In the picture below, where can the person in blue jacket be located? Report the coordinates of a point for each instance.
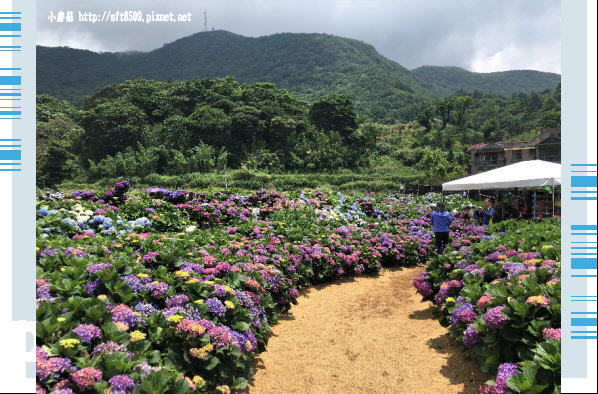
(487, 213)
(441, 220)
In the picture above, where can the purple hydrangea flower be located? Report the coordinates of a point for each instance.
(157, 289)
(92, 269)
(495, 319)
(551, 333)
(134, 282)
(216, 307)
(42, 289)
(219, 290)
(52, 366)
(40, 354)
(191, 267)
(463, 313)
(505, 371)
(144, 368)
(87, 332)
(121, 384)
(442, 295)
(144, 308)
(48, 252)
(92, 286)
(471, 337)
(86, 377)
(109, 347)
(192, 314)
(177, 300)
(150, 256)
(123, 314)
(425, 289)
(220, 336)
(172, 311)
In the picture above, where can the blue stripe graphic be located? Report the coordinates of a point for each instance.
(10, 80)
(583, 322)
(583, 181)
(10, 154)
(10, 27)
(583, 227)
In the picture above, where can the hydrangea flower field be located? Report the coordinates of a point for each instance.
(177, 294)
(500, 295)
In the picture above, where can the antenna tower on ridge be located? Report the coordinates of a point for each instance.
(205, 21)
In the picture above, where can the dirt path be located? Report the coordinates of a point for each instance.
(363, 335)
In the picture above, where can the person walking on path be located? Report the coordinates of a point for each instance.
(441, 220)
(487, 213)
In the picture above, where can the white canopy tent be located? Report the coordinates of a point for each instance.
(525, 174)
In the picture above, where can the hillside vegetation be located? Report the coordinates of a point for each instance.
(308, 65)
(448, 80)
(144, 128)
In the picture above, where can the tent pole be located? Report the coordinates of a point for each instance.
(553, 192)
(535, 203)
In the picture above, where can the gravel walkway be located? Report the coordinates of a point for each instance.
(364, 335)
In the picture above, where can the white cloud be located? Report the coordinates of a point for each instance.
(478, 35)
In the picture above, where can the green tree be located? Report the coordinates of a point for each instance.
(178, 132)
(334, 113)
(58, 163)
(490, 126)
(213, 125)
(443, 109)
(111, 127)
(425, 118)
(435, 165)
(462, 105)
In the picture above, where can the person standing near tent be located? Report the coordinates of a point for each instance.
(466, 215)
(498, 209)
(441, 220)
(486, 214)
(521, 209)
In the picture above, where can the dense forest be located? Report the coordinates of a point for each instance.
(142, 127)
(309, 66)
(449, 80)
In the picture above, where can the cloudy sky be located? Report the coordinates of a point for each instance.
(481, 36)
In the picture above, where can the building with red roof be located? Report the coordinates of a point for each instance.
(489, 155)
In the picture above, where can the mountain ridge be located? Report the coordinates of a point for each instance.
(449, 79)
(308, 65)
